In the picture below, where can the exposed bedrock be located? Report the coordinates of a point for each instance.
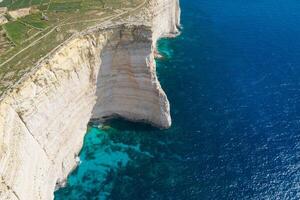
(102, 72)
(127, 85)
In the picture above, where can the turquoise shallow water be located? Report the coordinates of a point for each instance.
(233, 81)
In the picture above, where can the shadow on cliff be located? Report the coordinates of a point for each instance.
(125, 125)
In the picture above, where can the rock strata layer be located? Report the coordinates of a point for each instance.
(100, 73)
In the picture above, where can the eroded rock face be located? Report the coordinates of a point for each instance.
(42, 124)
(127, 85)
(99, 73)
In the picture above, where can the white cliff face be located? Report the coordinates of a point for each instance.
(126, 84)
(165, 18)
(99, 74)
(42, 124)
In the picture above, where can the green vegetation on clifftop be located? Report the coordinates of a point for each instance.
(25, 40)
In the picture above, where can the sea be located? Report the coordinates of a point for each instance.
(233, 81)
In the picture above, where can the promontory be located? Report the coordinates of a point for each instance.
(64, 63)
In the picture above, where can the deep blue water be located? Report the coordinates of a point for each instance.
(233, 81)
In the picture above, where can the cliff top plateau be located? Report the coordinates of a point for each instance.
(30, 30)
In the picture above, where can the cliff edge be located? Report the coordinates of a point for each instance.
(102, 72)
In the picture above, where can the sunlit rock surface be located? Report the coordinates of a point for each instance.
(101, 73)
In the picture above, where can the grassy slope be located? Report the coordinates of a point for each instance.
(65, 14)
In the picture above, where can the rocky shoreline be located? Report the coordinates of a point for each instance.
(97, 74)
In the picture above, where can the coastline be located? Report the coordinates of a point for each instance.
(72, 73)
(156, 55)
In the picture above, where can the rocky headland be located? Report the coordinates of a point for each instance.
(105, 71)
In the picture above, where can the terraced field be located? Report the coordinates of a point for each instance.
(25, 40)
(5, 43)
(15, 4)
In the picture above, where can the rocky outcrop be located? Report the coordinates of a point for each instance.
(16, 14)
(127, 85)
(98, 74)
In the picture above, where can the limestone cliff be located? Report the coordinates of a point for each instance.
(102, 72)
